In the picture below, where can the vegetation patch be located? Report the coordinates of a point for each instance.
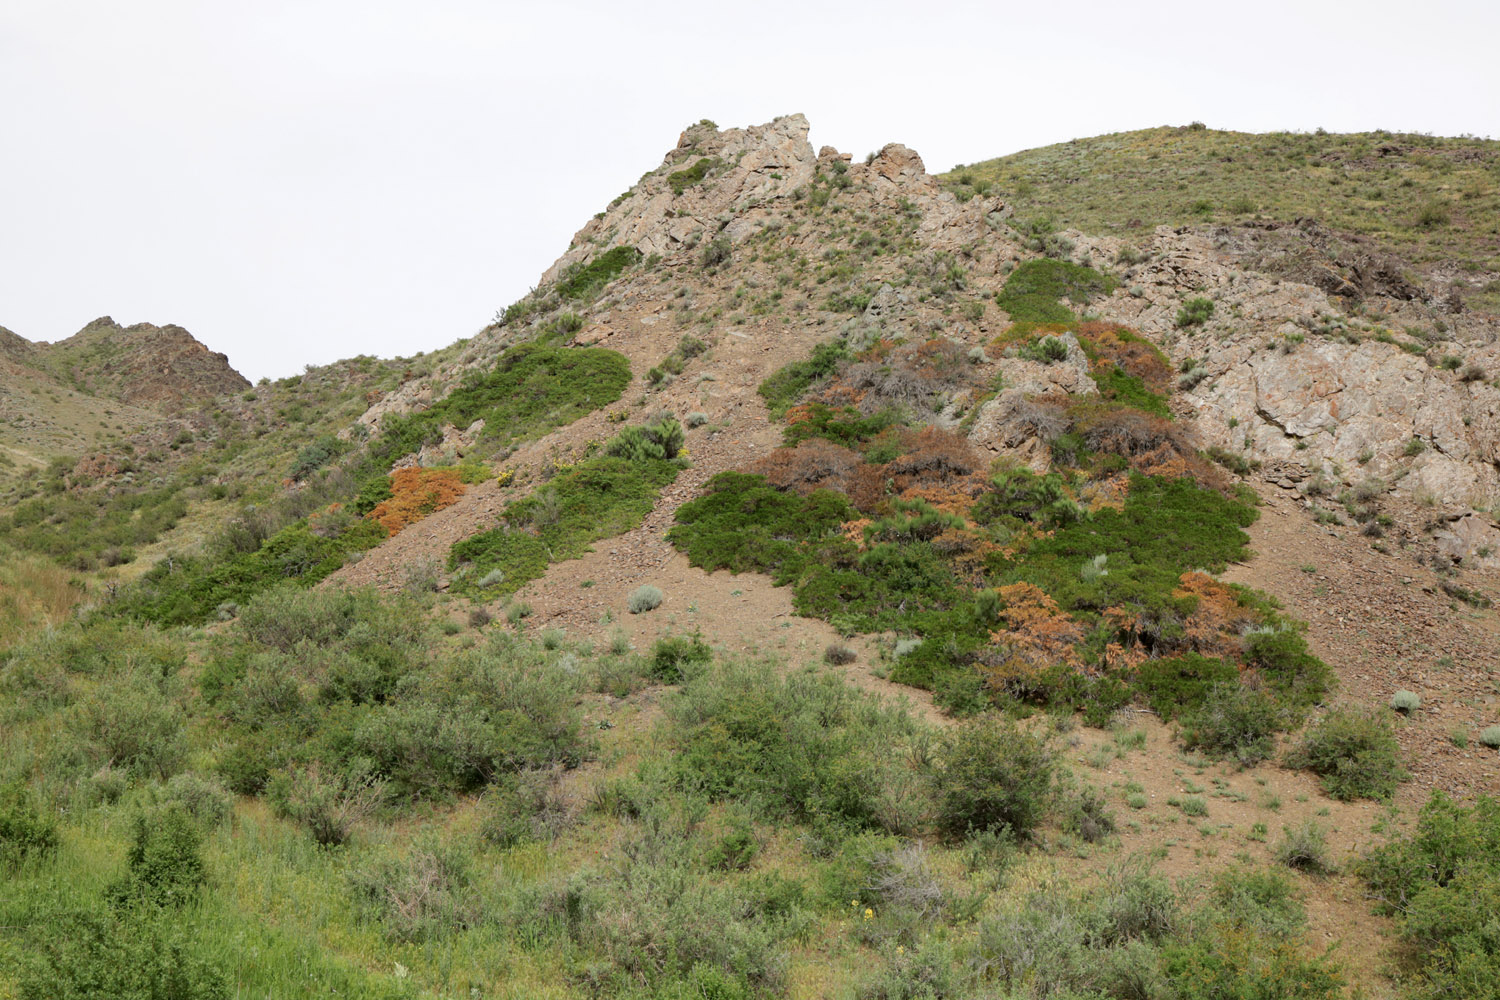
(598, 498)
(586, 280)
(1033, 290)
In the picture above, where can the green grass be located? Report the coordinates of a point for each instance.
(1391, 186)
(585, 281)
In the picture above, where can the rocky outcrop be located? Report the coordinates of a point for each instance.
(736, 183)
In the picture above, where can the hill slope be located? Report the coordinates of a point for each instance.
(827, 583)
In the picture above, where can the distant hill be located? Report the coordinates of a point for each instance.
(104, 383)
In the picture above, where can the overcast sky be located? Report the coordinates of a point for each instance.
(297, 182)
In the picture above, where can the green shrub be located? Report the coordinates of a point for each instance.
(681, 180)
(1442, 884)
(1259, 899)
(426, 894)
(164, 866)
(329, 805)
(1179, 684)
(717, 251)
(659, 922)
(1354, 752)
(522, 807)
(203, 798)
(994, 775)
(1032, 291)
(132, 724)
(1299, 678)
(1490, 736)
(108, 956)
(26, 834)
(644, 598)
(1304, 848)
(808, 747)
(839, 654)
(1227, 964)
(788, 384)
(1047, 350)
(1233, 721)
(598, 498)
(657, 441)
(506, 707)
(587, 280)
(1405, 701)
(672, 657)
(1195, 312)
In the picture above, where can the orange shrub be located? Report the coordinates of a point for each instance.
(1037, 636)
(416, 493)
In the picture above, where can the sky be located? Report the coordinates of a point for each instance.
(298, 182)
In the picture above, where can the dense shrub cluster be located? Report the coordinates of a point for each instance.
(1033, 290)
(1441, 884)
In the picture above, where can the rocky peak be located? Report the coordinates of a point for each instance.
(159, 367)
(735, 182)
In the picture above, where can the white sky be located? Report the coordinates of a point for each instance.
(297, 182)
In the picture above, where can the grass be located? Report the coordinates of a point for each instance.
(1396, 187)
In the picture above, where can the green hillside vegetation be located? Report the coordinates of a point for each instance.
(304, 536)
(327, 799)
(598, 498)
(1426, 198)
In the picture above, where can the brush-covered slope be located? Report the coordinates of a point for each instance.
(825, 584)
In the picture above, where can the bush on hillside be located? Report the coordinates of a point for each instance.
(993, 775)
(1354, 752)
(1233, 721)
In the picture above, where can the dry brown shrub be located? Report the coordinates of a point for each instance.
(1035, 418)
(933, 455)
(1037, 636)
(815, 463)
(1117, 430)
(868, 487)
(968, 554)
(890, 385)
(953, 497)
(1133, 356)
(1215, 626)
(839, 395)
(942, 359)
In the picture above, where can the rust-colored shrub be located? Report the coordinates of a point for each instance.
(1132, 352)
(416, 493)
(1036, 637)
(1215, 626)
(941, 359)
(868, 487)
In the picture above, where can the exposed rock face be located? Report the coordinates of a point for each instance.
(1285, 386)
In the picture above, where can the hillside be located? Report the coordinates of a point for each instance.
(831, 581)
(102, 387)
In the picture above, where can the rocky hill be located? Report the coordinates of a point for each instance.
(832, 580)
(160, 367)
